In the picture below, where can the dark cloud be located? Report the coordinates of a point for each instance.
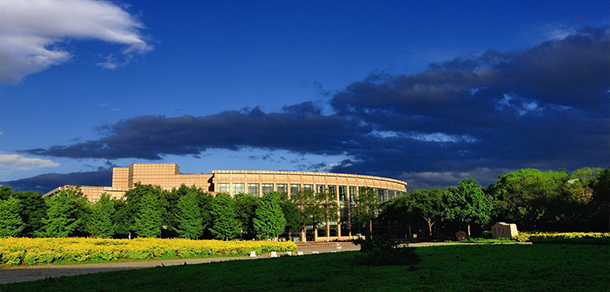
(544, 107)
(47, 182)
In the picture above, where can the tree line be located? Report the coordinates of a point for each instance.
(150, 211)
(534, 200)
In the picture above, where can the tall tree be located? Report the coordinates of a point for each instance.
(292, 213)
(305, 202)
(135, 204)
(11, 223)
(149, 218)
(189, 219)
(269, 221)
(226, 224)
(467, 203)
(100, 222)
(33, 212)
(366, 208)
(528, 197)
(327, 206)
(245, 207)
(65, 213)
(429, 205)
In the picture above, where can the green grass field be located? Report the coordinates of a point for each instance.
(544, 267)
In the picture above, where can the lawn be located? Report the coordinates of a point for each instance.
(544, 267)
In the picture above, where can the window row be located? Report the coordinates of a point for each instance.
(344, 193)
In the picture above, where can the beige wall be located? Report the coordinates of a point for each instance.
(168, 176)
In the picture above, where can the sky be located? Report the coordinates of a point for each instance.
(428, 92)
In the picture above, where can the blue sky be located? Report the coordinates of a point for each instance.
(428, 92)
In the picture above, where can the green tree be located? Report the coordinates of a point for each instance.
(528, 197)
(305, 202)
(149, 218)
(65, 213)
(326, 203)
(400, 210)
(33, 212)
(366, 208)
(269, 221)
(226, 224)
(467, 203)
(601, 186)
(100, 222)
(134, 207)
(429, 205)
(291, 213)
(11, 224)
(5, 192)
(189, 219)
(245, 208)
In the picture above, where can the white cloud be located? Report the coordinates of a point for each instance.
(32, 30)
(16, 161)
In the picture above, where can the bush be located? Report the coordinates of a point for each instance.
(460, 235)
(384, 252)
(31, 251)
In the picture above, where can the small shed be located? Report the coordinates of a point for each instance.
(502, 229)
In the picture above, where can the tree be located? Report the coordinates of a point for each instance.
(400, 210)
(366, 208)
(226, 225)
(148, 220)
(135, 206)
(601, 186)
(292, 213)
(269, 221)
(429, 204)
(100, 222)
(467, 203)
(245, 208)
(122, 217)
(528, 197)
(33, 212)
(189, 219)
(305, 202)
(65, 213)
(11, 224)
(327, 209)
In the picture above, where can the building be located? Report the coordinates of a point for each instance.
(168, 176)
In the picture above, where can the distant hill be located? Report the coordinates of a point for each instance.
(46, 182)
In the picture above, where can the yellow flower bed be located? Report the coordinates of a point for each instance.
(31, 251)
(526, 236)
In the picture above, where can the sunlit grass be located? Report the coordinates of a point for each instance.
(546, 267)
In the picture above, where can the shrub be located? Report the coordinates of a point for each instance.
(384, 252)
(460, 235)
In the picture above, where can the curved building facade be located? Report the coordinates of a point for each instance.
(168, 176)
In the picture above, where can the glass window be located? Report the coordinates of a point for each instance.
(342, 193)
(294, 188)
(238, 188)
(308, 187)
(352, 194)
(267, 188)
(320, 188)
(333, 190)
(223, 188)
(282, 188)
(253, 189)
(382, 195)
